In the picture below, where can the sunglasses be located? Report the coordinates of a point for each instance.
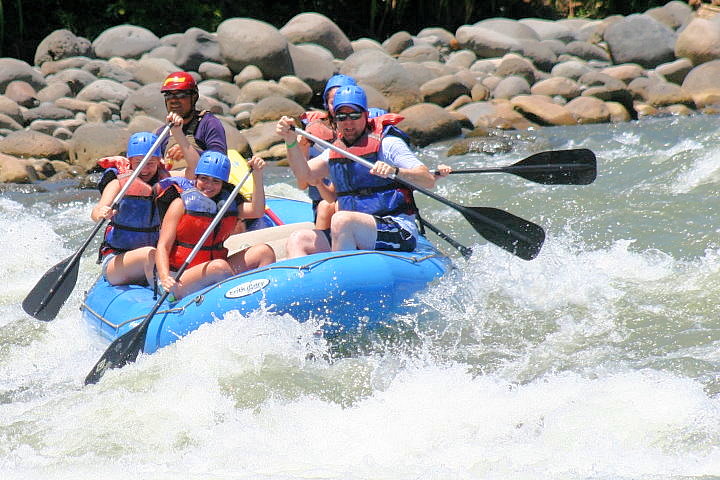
(181, 94)
(341, 117)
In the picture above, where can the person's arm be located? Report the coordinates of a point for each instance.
(256, 208)
(327, 191)
(187, 151)
(307, 172)
(102, 208)
(168, 230)
(395, 157)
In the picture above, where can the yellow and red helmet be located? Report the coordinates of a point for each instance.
(179, 81)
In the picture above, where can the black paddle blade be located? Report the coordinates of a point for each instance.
(514, 234)
(558, 167)
(122, 350)
(45, 300)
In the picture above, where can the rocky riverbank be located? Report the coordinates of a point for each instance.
(82, 99)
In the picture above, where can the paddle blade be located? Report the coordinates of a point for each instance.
(121, 351)
(45, 300)
(558, 167)
(514, 234)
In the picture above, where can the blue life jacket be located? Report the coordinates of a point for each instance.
(356, 188)
(137, 223)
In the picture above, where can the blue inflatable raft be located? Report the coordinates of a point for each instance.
(350, 291)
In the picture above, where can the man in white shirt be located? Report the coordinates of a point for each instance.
(374, 211)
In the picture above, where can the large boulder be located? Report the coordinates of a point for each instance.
(29, 143)
(419, 54)
(126, 41)
(554, 86)
(426, 123)
(509, 27)
(75, 78)
(54, 66)
(10, 108)
(146, 100)
(46, 111)
(256, 90)
(586, 51)
(272, 108)
(226, 92)
(195, 47)
(663, 94)
(58, 45)
(640, 39)
(699, 41)
(96, 140)
(385, 74)
(311, 66)
(12, 69)
(443, 90)
(542, 110)
(486, 43)
(588, 110)
(244, 41)
(550, 30)
(15, 170)
(152, 70)
(110, 71)
(703, 83)
(495, 114)
(317, 28)
(262, 136)
(105, 90)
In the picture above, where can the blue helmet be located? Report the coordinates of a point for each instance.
(338, 80)
(214, 164)
(376, 112)
(353, 96)
(140, 143)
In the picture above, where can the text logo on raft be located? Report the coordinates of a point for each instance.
(247, 288)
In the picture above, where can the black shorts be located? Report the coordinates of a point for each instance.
(390, 236)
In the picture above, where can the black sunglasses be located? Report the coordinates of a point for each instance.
(179, 94)
(341, 117)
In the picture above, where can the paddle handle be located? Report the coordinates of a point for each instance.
(464, 251)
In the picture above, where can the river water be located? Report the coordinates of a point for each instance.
(597, 360)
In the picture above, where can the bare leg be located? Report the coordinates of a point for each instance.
(305, 242)
(325, 211)
(352, 231)
(130, 267)
(254, 257)
(201, 276)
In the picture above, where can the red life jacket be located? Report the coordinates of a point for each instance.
(199, 214)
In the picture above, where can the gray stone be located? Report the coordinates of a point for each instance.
(640, 39)
(126, 41)
(195, 47)
(316, 28)
(12, 70)
(426, 123)
(56, 46)
(245, 41)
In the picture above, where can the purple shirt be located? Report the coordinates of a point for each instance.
(210, 134)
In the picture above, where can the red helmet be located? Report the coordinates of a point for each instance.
(179, 81)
